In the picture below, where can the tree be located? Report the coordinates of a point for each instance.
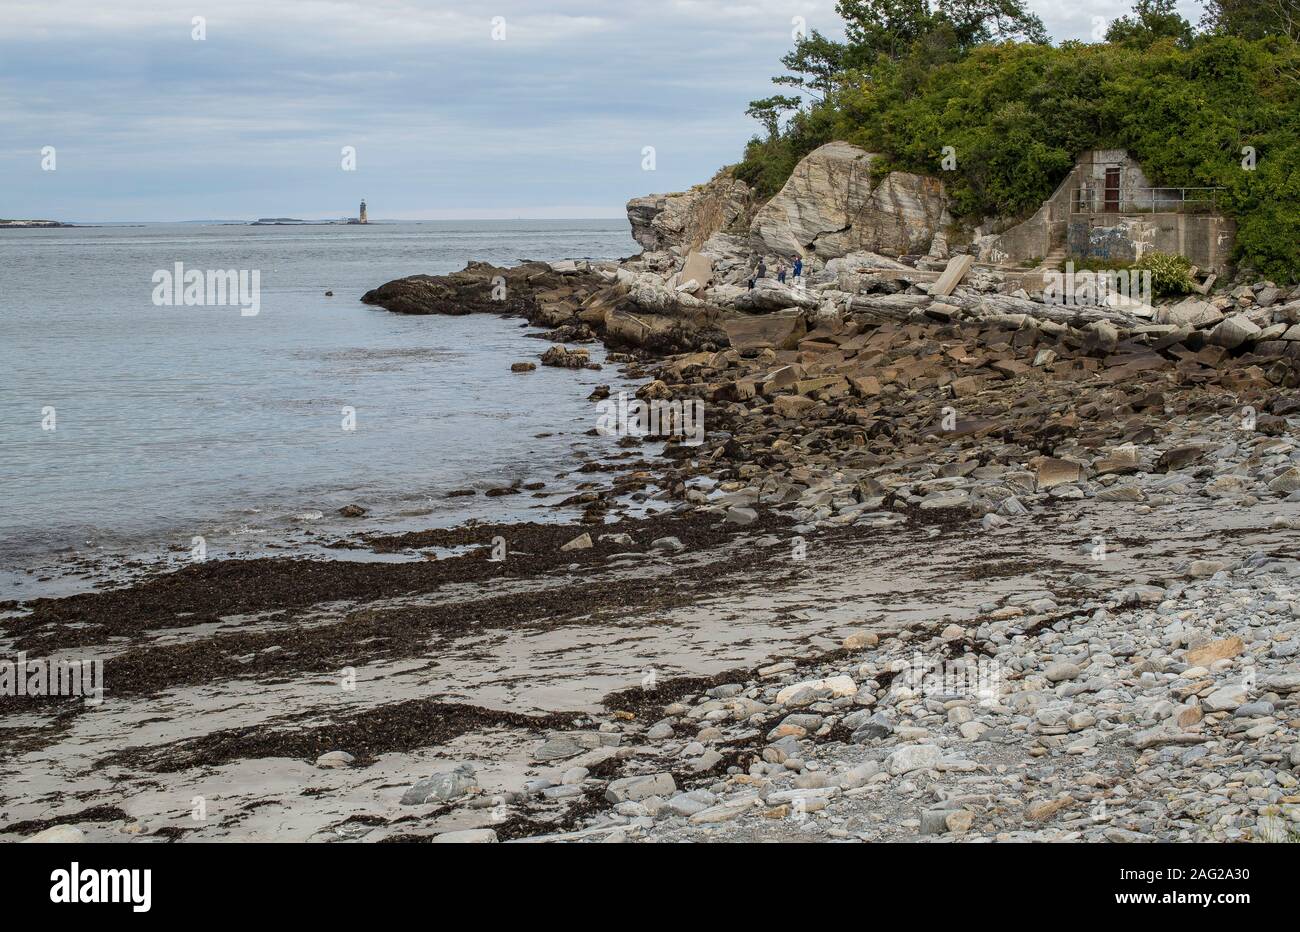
(884, 27)
(1152, 20)
(768, 112)
(979, 21)
(1253, 19)
(896, 28)
(815, 61)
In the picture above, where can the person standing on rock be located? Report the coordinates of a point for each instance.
(798, 266)
(780, 272)
(762, 269)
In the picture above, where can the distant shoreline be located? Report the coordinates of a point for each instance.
(33, 224)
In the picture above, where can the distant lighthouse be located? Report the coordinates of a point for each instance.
(362, 217)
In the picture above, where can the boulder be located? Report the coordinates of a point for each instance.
(637, 788)
(441, 787)
(1120, 460)
(1193, 313)
(1233, 332)
(830, 205)
(1216, 650)
(1179, 458)
(768, 294)
(1287, 482)
(1052, 472)
(697, 269)
(770, 331)
(913, 757)
(838, 686)
(792, 406)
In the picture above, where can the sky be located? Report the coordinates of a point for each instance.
(470, 110)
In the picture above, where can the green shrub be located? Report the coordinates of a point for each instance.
(1170, 275)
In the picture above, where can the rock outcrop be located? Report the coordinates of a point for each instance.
(582, 301)
(832, 206)
(688, 219)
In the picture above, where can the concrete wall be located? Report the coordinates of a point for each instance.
(1206, 239)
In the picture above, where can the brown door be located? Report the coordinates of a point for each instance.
(1112, 191)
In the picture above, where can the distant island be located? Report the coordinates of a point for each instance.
(32, 224)
(292, 221)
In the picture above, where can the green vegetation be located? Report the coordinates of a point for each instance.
(1170, 275)
(1219, 107)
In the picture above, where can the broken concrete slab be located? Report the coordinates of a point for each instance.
(957, 268)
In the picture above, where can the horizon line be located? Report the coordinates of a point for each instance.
(339, 221)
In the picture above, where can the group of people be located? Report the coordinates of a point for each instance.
(760, 271)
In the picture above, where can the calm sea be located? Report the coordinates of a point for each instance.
(176, 422)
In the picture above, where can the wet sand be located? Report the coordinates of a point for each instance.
(225, 681)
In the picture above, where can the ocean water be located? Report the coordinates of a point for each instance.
(171, 422)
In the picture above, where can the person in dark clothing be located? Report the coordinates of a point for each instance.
(798, 266)
(762, 269)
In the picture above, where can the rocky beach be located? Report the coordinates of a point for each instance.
(955, 561)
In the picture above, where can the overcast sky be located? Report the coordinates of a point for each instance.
(447, 122)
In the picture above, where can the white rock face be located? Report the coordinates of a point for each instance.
(687, 219)
(831, 203)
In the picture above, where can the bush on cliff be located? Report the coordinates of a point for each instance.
(1213, 110)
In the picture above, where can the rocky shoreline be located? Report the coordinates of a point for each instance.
(952, 562)
(1162, 709)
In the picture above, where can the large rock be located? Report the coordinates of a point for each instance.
(687, 219)
(1233, 332)
(698, 269)
(441, 787)
(913, 757)
(634, 789)
(1193, 313)
(769, 331)
(831, 206)
(838, 686)
(768, 294)
(1053, 472)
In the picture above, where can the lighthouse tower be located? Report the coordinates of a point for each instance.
(362, 217)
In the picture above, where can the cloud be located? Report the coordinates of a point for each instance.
(150, 124)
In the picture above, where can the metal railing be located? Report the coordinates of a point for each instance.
(1094, 200)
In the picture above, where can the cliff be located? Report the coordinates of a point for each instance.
(831, 206)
